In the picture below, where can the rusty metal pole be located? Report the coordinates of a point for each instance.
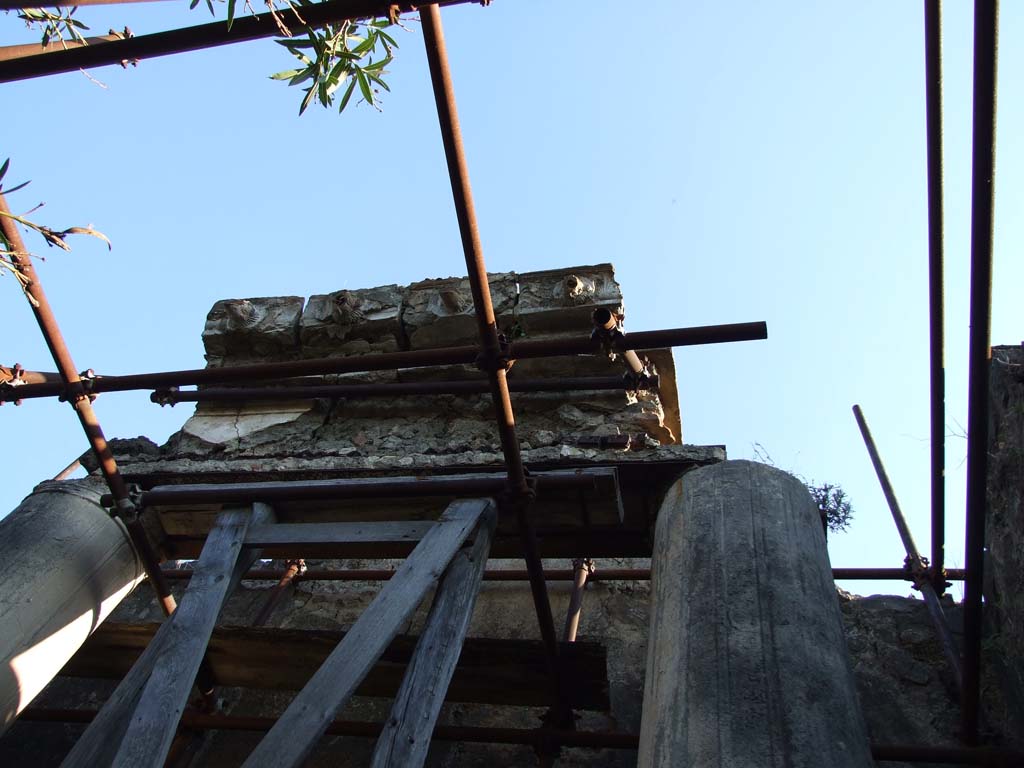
(582, 568)
(388, 361)
(519, 490)
(918, 568)
(937, 365)
(82, 405)
(986, 35)
(293, 569)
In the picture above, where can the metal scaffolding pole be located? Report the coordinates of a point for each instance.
(918, 570)
(986, 18)
(423, 358)
(933, 100)
(82, 405)
(210, 35)
(494, 358)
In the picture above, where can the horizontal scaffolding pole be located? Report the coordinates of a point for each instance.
(424, 358)
(525, 736)
(217, 33)
(402, 389)
(353, 488)
(985, 756)
(601, 574)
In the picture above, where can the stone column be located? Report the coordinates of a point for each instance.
(747, 663)
(66, 565)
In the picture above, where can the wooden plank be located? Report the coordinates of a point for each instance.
(297, 731)
(98, 744)
(325, 534)
(405, 739)
(155, 720)
(601, 504)
(490, 671)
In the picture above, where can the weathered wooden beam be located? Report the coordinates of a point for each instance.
(296, 732)
(598, 503)
(490, 671)
(163, 699)
(321, 535)
(98, 744)
(406, 736)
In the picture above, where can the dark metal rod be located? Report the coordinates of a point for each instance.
(986, 756)
(210, 35)
(986, 19)
(605, 574)
(354, 391)
(527, 736)
(424, 358)
(323, 490)
(933, 99)
(13, 5)
(919, 571)
(82, 405)
(519, 491)
(9, 52)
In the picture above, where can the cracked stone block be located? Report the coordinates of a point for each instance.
(353, 322)
(244, 330)
(218, 425)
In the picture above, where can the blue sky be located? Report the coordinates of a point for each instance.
(736, 161)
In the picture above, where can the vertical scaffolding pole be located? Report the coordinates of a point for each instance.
(986, 15)
(491, 354)
(936, 313)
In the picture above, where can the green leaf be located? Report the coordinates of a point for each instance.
(287, 74)
(15, 189)
(303, 76)
(347, 96)
(378, 81)
(306, 101)
(231, 13)
(4, 167)
(364, 86)
(294, 42)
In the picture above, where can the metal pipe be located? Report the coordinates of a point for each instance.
(937, 367)
(23, 377)
(13, 5)
(986, 20)
(423, 358)
(65, 473)
(581, 569)
(491, 352)
(988, 756)
(985, 756)
(72, 384)
(322, 490)
(290, 576)
(918, 569)
(371, 730)
(210, 35)
(11, 52)
(605, 574)
(402, 389)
